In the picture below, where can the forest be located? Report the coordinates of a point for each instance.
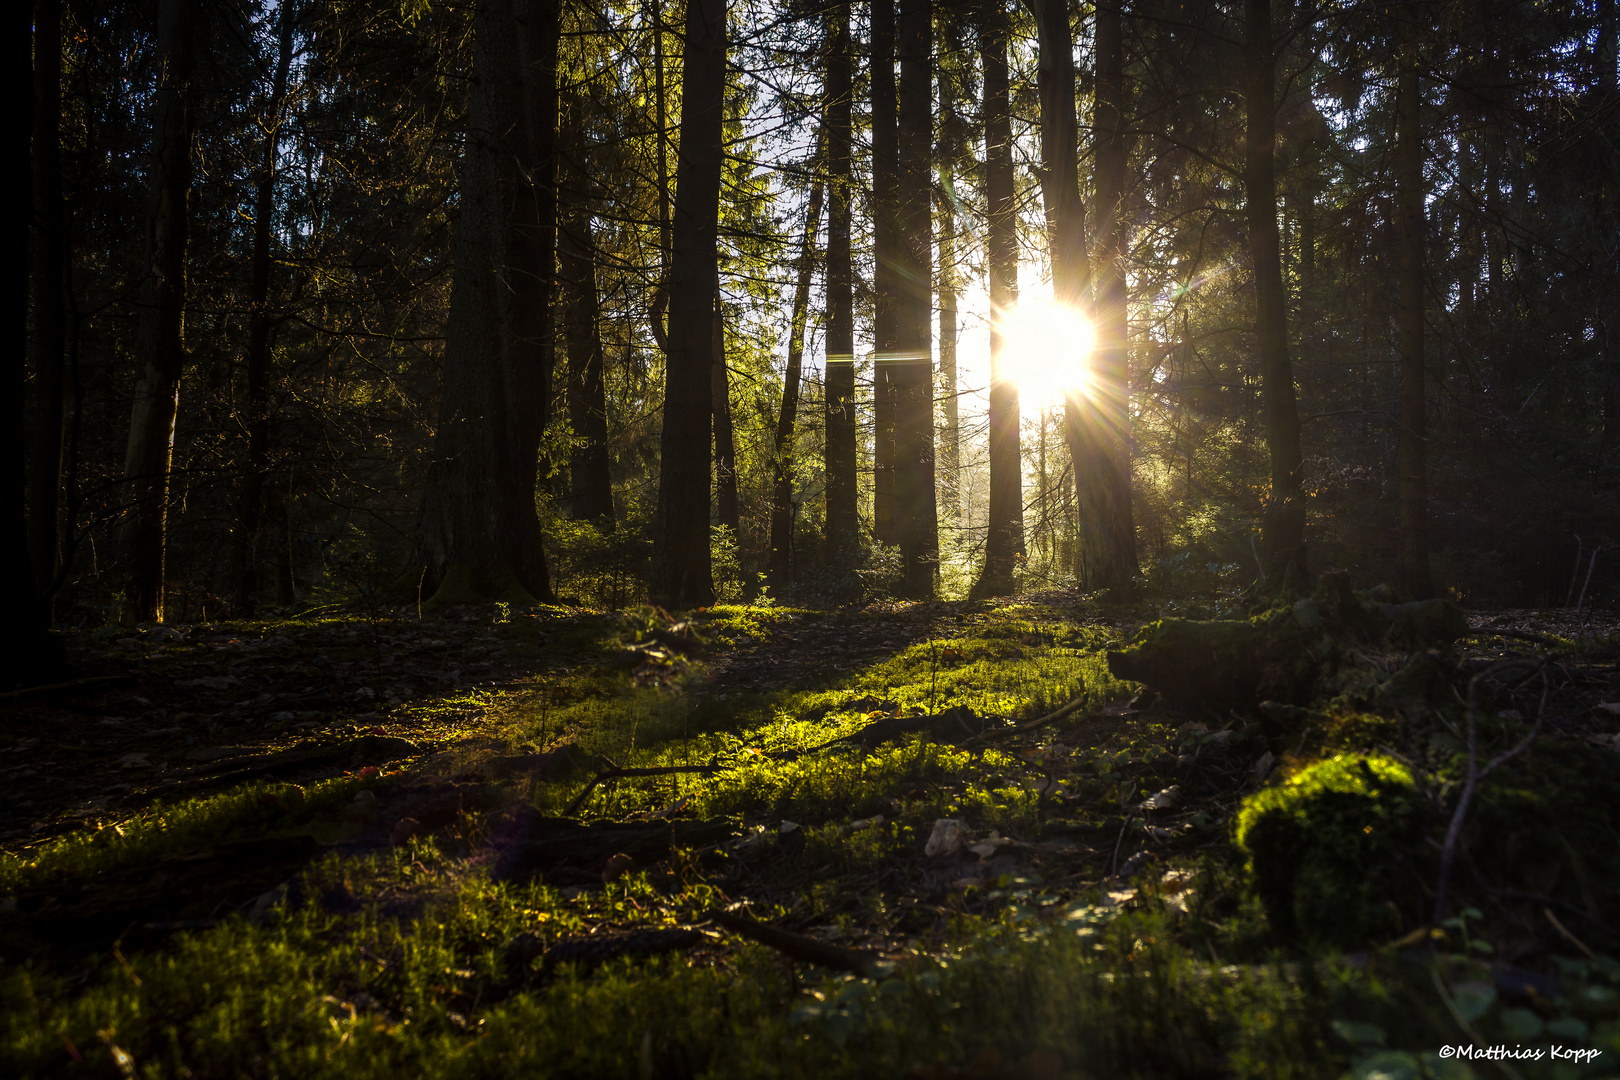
(927, 538)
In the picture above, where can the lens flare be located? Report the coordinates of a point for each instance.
(1048, 349)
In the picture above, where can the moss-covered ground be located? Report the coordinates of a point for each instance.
(334, 851)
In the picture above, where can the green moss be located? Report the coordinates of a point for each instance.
(1329, 850)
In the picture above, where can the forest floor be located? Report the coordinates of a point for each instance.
(757, 841)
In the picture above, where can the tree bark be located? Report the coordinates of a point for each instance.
(250, 507)
(47, 264)
(951, 152)
(1282, 527)
(886, 256)
(660, 303)
(160, 345)
(477, 533)
(18, 612)
(780, 564)
(1006, 524)
(727, 507)
(840, 453)
(1412, 443)
(590, 478)
(681, 574)
(1097, 417)
(950, 455)
(915, 499)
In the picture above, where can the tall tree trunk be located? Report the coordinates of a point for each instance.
(250, 507)
(1282, 527)
(780, 565)
(160, 343)
(18, 613)
(952, 151)
(660, 303)
(950, 455)
(48, 252)
(589, 465)
(1086, 424)
(681, 574)
(1608, 87)
(1412, 444)
(477, 532)
(590, 479)
(840, 453)
(886, 257)
(1006, 523)
(727, 507)
(1098, 435)
(915, 500)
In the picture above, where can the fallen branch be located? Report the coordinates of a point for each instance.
(1448, 852)
(25, 691)
(1028, 725)
(862, 962)
(616, 773)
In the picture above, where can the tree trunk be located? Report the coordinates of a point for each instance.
(160, 346)
(1086, 426)
(915, 500)
(1412, 444)
(1282, 526)
(18, 613)
(886, 254)
(950, 455)
(727, 509)
(660, 303)
(589, 474)
(780, 566)
(681, 575)
(477, 533)
(251, 505)
(841, 438)
(1096, 418)
(48, 285)
(1006, 524)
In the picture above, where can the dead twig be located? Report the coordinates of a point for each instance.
(1029, 725)
(616, 772)
(1448, 852)
(862, 962)
(47, 687)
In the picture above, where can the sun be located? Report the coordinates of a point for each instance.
(1048, 349)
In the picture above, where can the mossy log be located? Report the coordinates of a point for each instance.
(1281, 655)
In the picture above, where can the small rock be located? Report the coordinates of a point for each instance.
(365, 796)
(1262, 768)
(945, 839)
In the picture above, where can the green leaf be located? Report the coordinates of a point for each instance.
(1387, 1065)
(1447, 1068)
(1472, 999)
(1520, 1025)
(1567, 1027)
(1360, 1034)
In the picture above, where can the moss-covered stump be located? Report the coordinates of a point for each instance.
(1345, 852)
(1287, 654)
(1336, 853)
